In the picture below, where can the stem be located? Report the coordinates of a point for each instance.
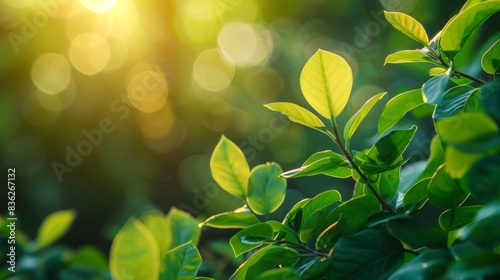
(303, 247)
(477, 80)
(412, 252)
(361, 174)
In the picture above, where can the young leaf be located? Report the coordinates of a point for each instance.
(408, 56)
(470, 3)
(157, 224)
(453, 101)
(326, 83)
(356, 119)
(459, 29)
(436, 71)
(483, 179)
(231, 220)
(458, 217)
(444, 191)
(181, 263)
(266, 190)
(184, 227)
(298, 115)
(428, 265)
(435, 87)
(262, 231)
(54, 226)
(491, 59)
(369, 254)
(266, 259)
(230, 168)
(389, 148)
(134, 253)
(397, 108)
(408, 25)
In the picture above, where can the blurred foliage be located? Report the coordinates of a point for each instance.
(112, 108)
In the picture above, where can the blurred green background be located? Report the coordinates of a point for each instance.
(112, 108)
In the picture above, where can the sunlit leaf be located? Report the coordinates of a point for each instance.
(54, 226)
(266, 189)
(157, 224)
(231, 220)
(491, 59)
(229, 168)
(298, 114)
(266, 259)
(407, 56)
(388, 148)
(428, 265)
(436, 71)
(459, 29)
(397, 108)
(320, 201)
(326, 162)
(453, 101)
(326, 83)
(184, 227)
(331, 233)
(262, 231)
(408, 25)
(280, 274)
(417, 193)
(134, 253)
(445, 191)
(483, 179)
(356, 119)
(458, 217)
(470, 3)
(369, 254)
(181, 263)
(435, 87)
(459, 162)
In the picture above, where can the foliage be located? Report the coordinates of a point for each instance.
(373, 234)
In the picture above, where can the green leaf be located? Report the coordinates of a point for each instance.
(314, 269)
(408, 25)
(485, 230)
(417, 194)
(294, 216)
(469, 132)
(435, 87)
(279, 274)
(453, 101)
(459, 29)
(356, 119)
(458, 217)
(356, 211)
(326, 83)
(459, 162)
(330, 234)
(326, 162)
(369, 254)
(181, 263)
(134, 253)
(428, 265)
(183, 226)
(474, 263)
(470, 3)
(311, 224)
(231, 220)
(445, 191)
(389, 148)
(483, 179)
(397, 108)
(371, 166)
(320, 201)
(490, 99)
(436, 71)
(408, 56)
(298, 115)
(54, 226)
(261, 231)
(89, 257)
(491, 59)
(230, 168)
(266, 259)
(157, 224)
(266, 190)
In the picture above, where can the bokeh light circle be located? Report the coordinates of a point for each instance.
(148, 91)
(98, 6)
(89, 53)
(212, 71)
(51, 73)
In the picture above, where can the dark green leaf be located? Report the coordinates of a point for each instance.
(231, 220)
(429, 265)
(314, 269)
(266, 259)
(389, 148)
(370, 254)
(266, 190)
(311, 224)
(417, 194)
(292, 217)
(490, 97)
(356, 211)
(453, 101)
(181, 263)
(485, 230)
(491, 59)
(435, 87)
(445, 191)
(483, 179)
(397, 108)
(279, 274)
(257, 234)
(457, 217)
(484, 265)
(331, 233)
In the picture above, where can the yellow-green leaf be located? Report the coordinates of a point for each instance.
(156, 223)
(54, 227)
(359, 116)
(229, 168)
(407, 56)
(134, 253)
(326, 83)
(408, 25)
(491, 59)
(298, 114)
(397, 108)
